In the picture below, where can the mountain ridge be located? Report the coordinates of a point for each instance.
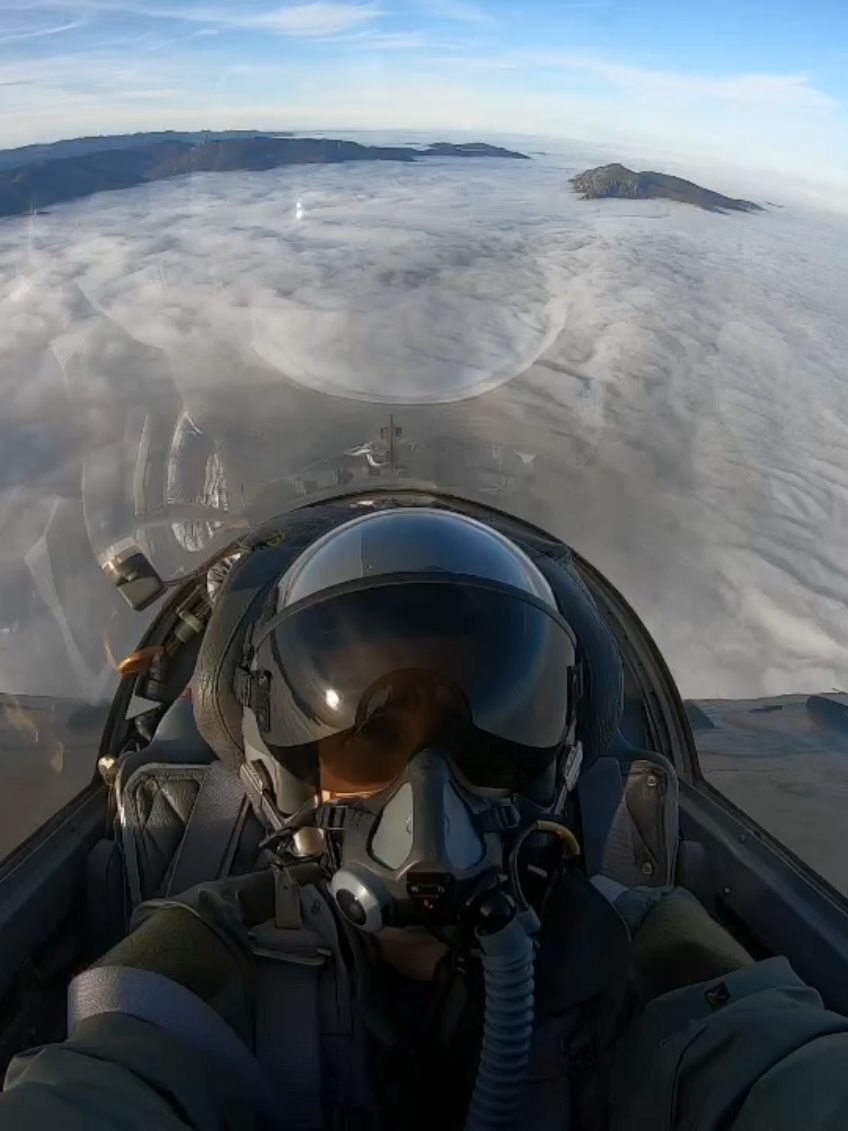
(619, 182)
(100, 143)
(37, 184)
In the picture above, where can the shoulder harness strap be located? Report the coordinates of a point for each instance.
(211, 836)
(307, 1035)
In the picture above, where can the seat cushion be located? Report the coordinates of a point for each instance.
(155, 804)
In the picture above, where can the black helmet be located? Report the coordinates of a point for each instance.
(408, 627)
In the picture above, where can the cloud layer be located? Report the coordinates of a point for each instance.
(679, 376)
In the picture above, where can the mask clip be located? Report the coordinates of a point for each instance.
(332, 817)
(500, 817)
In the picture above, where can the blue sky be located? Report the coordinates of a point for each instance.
(759, 83)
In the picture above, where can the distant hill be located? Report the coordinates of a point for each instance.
(617, 181)
(471, 149)
(77, 171)
(80, 146)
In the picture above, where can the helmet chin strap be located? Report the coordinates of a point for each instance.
(279, 799)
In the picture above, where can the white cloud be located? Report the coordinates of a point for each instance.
(152, 92)
(389, 41)
(315, 19)
(161, 44)
(775, 92)
(39, 33)
(465, 11)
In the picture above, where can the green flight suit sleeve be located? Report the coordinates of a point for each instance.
(117, 1073)
(722, 1043)
(808, 1088)
(735, 1046)
(750, 1050)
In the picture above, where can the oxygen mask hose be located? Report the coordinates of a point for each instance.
(508, 959)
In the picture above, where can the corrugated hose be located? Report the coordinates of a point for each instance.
(508, 960)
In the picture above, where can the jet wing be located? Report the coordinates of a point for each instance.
(783, 761)
(49, 749)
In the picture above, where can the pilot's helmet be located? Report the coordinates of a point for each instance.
(405, 629)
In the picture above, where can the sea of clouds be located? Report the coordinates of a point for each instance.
(680, 376)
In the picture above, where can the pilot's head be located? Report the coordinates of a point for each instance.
(410, 673)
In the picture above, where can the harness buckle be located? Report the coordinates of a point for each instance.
(499, 818)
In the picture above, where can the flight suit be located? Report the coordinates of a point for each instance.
(747, 1047)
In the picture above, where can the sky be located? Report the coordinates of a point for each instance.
(753, 84)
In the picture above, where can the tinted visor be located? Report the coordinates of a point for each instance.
(377, 671)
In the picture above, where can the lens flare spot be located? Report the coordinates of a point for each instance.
(57, 762)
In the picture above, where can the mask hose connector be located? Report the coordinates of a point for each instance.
(508, 960)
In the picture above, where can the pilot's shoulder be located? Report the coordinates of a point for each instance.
(119, 1074)
(744, 1050)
